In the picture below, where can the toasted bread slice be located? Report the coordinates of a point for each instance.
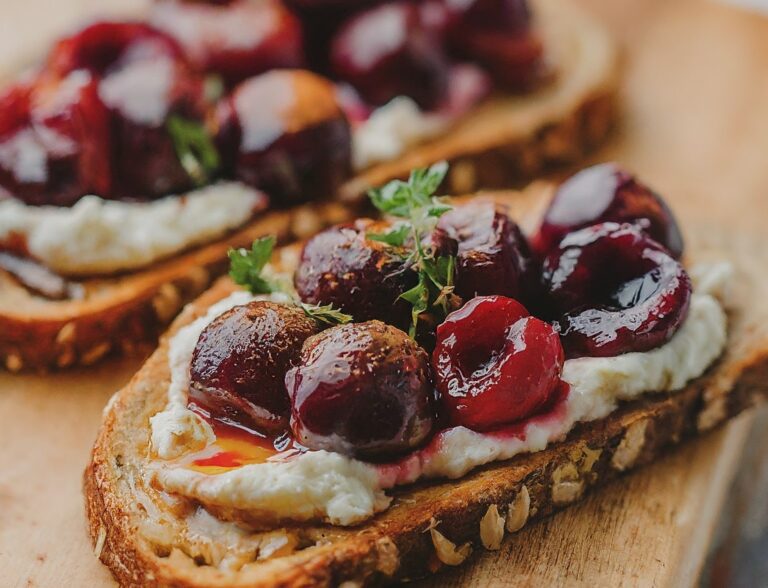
(128, 311)
(151, 539)
(505, 139)
(511, 138)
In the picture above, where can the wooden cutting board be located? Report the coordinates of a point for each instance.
(695, 125)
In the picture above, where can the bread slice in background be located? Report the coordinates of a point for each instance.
(148, 539)
(126, 313)
(512, 138)
(505, 139)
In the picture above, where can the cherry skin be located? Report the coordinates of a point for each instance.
(284, 132)
(362, 389)
(388, 51)
(54, 140)
(99, 46)
(362, 277)
(495, 364)
(614, 290)
(237, 39)
(497, 35)
(142, 80)
(239, 364)
(492, 255)
(607, 193)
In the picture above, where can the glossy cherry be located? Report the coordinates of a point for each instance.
(54, 140)
(495, 364)
(497, 35)
(237, 39)
(142, 80)
(492, 255)
(239, 364)
(388, 51)
(362, 277)
(362, 389)
(99, 46)
(607, 193)
(612, 290)
(285, 133)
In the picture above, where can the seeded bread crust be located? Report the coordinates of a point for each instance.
(148, 539)
(126, 313)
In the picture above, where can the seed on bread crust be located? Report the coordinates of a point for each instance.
(715, 411)
(66, 334)
(567, 484)
(446, 550)
(519, 510)
(631, 445)
(13, 362)
(492, 528)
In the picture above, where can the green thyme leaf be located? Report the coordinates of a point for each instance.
(247, 267)
(396, 237)
(414, 202)
(194, 148)
(326, 314)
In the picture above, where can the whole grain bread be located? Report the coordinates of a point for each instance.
(148, 538)
(506, 139)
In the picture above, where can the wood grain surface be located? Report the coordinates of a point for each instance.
(694, 124)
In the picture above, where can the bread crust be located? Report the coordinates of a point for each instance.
(145, 539)
(503, 141)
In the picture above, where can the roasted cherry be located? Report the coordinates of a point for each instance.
(362, 389)
(612, 290)
(237, 39)
(99, 46)
(497, 35)
(495, 364)
(492, 255)
(388, 51)
(239, 364)
(362, 277)
(54, 140)
(143, 80)
(607, 193)
(285, 133)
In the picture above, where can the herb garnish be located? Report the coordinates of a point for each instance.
(194, 148)
(415, 203)
(251, 270)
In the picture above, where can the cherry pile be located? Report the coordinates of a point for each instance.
(605, 286)
(101, 114)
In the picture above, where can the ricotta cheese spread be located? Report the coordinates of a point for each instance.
(104, 236)
(343, 491)
(393, 128)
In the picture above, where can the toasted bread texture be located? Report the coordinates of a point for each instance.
(509, 139)
(126, 313)
(148, 538)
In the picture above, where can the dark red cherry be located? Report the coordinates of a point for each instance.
(607, 193)
(237, 39)
(362, 277)
(614, 290)
(142, 95)
(495, 364)
(497, 35)
(511, 16)
(362, 389)
(492, 255)
(54, 140)
(98, 47)
(388, 51)
(285, 133)
(239, 364)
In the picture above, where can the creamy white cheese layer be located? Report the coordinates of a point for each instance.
(103, 236)
(343, 491)
(392, 129)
